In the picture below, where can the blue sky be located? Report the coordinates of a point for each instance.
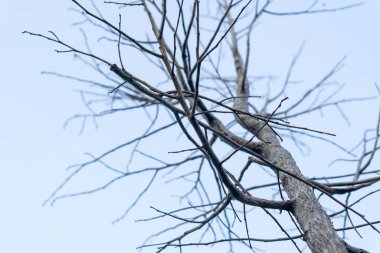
(35, 149)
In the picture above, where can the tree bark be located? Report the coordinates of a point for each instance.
(312, 218)
(316, 225)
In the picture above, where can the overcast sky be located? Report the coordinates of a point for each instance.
(35, 149)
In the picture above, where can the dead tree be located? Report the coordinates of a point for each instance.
(222, 115)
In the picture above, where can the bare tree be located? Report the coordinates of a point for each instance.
(199, 84)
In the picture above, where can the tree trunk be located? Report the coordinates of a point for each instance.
(312, 218)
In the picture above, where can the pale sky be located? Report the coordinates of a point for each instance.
(35, 149)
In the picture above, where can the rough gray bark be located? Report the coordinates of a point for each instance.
(318, 230)
(317, 227)
(312, 218)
